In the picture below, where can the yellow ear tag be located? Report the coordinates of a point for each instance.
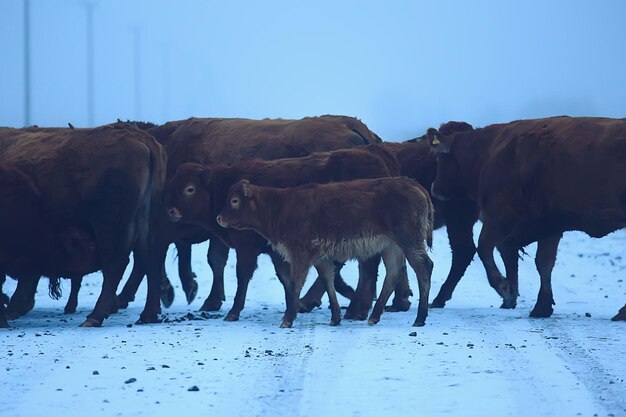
(436, 141)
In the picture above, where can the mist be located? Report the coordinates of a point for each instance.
(400, 66)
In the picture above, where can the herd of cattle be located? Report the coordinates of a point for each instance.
(311, 192)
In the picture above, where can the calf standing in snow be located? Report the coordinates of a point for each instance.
(316, 224)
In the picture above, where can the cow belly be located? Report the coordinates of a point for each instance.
(344, 249)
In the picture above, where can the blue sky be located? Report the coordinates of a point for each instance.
(400, 66)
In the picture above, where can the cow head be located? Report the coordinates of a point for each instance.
(186, 197)
(448, 184)
(240, 211)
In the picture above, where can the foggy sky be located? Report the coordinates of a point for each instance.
(400, 66)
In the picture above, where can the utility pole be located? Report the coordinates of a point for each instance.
(165, 81)
(27, 93)
(90, 64)
(137, 71)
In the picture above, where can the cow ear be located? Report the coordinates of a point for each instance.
(436, 141)
(248, 191)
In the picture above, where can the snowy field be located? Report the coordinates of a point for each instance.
(471, 358)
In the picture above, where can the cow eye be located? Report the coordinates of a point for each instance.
(190, 189)
(234, 202)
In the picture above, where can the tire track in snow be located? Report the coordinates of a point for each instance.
(581, 348)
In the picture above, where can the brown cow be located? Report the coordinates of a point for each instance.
(534, 180)
(227, 141)
(103, 180)
(34, 243)
(197, 193)
(316, 224)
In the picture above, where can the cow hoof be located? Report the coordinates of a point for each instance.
(148, 318)
(211, 305)
(621, 316)
(438, 303)
(18, 309)
(541, 312)
(306, 306)
(355, 314)
(335, 322)
(286, 324)
(509, 304)
(231, 317)
(373, 320)
(399, 305)
(167, 296)
(192, 291)
(91, 323)
(4, 324)
(122, 302)
(419, 323)
(69, 310)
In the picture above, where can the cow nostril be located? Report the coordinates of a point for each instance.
(174, 214)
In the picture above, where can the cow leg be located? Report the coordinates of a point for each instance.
(402, 293)
(293, 286)
(4, 298)
(461, 238)
(620, 316)
(167, 289)
(156, 260)
(342, 286)
(112, 272)
(246, 264)
(423, 266)
(545, 259)
(217, 256)
(313, 297)
(23, 299)
(393, 260)
(326, 271)
(72, 302)
(281, 266)
(185, 274)
(4, 324)
(510, 257)
(365, 290)
(132, 285)
(486, 246)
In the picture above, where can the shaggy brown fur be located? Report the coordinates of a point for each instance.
(316, 224)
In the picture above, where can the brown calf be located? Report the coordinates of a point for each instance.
(316, 224)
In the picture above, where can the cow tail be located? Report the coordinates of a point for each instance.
(431, 222)
(54, 288)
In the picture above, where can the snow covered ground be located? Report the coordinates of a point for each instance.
(471, 359)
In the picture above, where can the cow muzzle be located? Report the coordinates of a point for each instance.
(174, 214)
(220, 221)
